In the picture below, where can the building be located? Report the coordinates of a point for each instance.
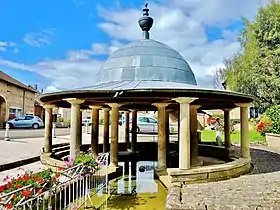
(15, 98)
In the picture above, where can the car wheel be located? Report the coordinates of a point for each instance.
(138, 130)
(35, 126)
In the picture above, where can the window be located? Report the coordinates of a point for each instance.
(151, 120)
(21, 118)
(29, 118)
(143, 119)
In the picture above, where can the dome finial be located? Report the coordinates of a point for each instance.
(146, 22)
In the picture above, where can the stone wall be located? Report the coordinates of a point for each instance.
(273, 140)
(17, 97)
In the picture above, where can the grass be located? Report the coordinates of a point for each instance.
(254, 136)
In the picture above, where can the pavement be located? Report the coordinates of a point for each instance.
(31, 133)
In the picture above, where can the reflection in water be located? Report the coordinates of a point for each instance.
(136, 188)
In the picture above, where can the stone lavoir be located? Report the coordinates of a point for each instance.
(147, 75)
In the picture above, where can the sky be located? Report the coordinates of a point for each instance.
(60, 45)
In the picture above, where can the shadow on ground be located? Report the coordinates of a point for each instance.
(264, 161)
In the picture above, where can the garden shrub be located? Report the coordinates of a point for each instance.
(273, 113)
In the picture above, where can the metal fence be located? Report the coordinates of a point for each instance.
(75, 189)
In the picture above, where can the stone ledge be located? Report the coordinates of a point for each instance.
(211, 173)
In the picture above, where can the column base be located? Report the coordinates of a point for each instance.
(196, 162)
(160, 168)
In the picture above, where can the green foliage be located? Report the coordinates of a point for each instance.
(256, 69)
(274, 115)
(59, 119)
(221, 116)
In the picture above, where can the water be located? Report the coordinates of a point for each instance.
(135, 189)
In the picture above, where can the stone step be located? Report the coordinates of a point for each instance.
(58, 149)
(61, 154)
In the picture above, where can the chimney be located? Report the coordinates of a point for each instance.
(36, 86)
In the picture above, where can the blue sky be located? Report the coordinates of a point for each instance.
(37, 37)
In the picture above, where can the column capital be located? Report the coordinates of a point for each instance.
(160, 105)
(74, 101)
(126, 111)
(105, 109)
(114, 105)
(195, 106)
(243, 105)
(184, 100)
(133, 110)
(48, 106)
(227, 109)
(95, 107)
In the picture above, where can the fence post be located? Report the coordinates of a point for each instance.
(53, 131)
(7, 137)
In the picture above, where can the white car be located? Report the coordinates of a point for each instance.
(147, 124)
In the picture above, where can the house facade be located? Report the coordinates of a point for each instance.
(15, 98)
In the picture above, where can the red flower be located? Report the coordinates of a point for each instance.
(54, 179)
(2, 188)
(26, 177)
(8, 206)
(40, 180)
(19, 186)
(60, 168)
(57, 175)
(26, 193)
(14, 196)
(20, 179)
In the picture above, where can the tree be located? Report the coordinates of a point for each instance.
(255, 70)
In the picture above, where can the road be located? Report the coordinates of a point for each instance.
(31, 133)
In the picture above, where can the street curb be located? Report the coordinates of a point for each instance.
(19, 163)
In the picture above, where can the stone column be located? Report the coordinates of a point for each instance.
(48, 127)
(161, 135)
(194, 137)
(75, 136)
(167, 130)
(81, 128)
(184, 143)
(134, 130)
(114, 134)
(126, 127)
(245, 143)
(94, 129)
(106, 129)
(227, 128)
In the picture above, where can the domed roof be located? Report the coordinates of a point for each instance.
(146, 60)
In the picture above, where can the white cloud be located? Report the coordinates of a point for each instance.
(50, 89)
(4, 45)
(38, 39)
(178, 23)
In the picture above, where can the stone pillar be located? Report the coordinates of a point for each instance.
(245, 143)
(194, 137)
(126, 127)
(75, 126)
(94, 129)
(81, 128)
(106, 129)
(167, 130)
(227, 128)
(114, 134)
(48, 127)
(184, 143)
(161, 135)
(134, 130)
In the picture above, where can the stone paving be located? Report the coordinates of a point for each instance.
(258, 190)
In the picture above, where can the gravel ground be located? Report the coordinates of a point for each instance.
(258, 190)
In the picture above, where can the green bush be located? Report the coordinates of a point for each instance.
(274, 116)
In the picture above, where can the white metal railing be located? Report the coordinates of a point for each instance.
(74, 189)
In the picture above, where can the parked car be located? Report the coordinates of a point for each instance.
(147, 124)
(26, 121)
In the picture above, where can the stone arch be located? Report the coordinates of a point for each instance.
(3, 110)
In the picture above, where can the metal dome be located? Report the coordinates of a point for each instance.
(146, 60)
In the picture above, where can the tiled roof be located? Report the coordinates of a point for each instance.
(5, 77)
